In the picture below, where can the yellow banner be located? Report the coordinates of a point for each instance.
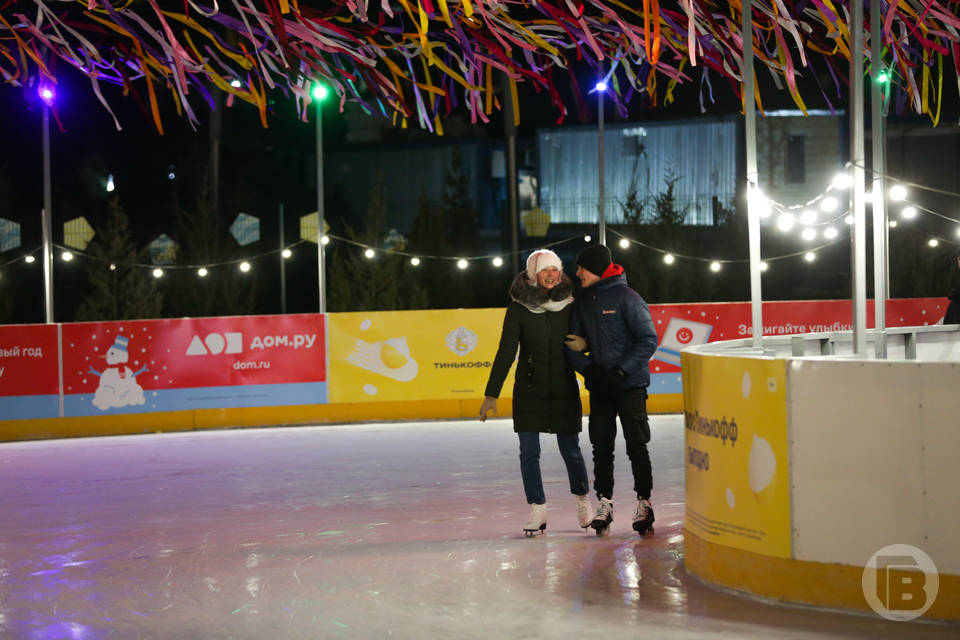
(737, 480)
(412, 355)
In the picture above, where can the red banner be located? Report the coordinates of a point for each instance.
(196, 352)
(28, 360)
(684, 325)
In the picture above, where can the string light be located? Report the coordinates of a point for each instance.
(785, 222)
(764, 266)
(30, 259)
(286, 253)
(462, 264)
(113, 267)
(624, 243)
(829, 204)
(415, 261)
(587, 238)
(158, 273)
(908, 213)
(202, 272)
(715, 266)
(325, 240)
(369, 253)
(893, 224)
(498, 262)
(245, 266)
(898, 193)
(933, 242)
(67, 256)
(830, 233)
(810, 256)
(669, 258)
(809, 234)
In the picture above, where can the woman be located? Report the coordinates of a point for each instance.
(546, 398)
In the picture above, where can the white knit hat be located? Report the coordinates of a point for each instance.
(540, 260)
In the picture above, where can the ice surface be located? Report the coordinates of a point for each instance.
(407, 530)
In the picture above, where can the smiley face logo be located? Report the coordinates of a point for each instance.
(684, 335)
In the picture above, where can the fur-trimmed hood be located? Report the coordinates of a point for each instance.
(526, 292)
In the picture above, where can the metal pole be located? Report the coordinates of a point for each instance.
(858, 267)
(320, 257)
(283, 268)
(753, 215)
(601, 215)
(513, 197)
(880, 225)
(47, 222)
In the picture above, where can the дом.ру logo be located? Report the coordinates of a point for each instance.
(900, 582)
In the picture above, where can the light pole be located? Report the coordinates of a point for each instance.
(319, 93)
(47, 95)
(601, 89)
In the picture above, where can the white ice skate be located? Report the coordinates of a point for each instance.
(584, 510)
(537, 521)
(643, 517)
(603, 518)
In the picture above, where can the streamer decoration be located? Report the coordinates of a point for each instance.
(420, 60)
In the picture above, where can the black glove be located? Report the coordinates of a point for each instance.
(613, 378)
(593, 376)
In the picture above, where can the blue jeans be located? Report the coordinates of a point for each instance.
(530, 465)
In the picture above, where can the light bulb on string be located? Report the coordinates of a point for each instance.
(158, 273)
(30, 259)
(244, 266)
(498, 262)
(848, 219)
(369, 253)
(669, 258)
(898, 193)
(587, 238)
(893, 224)
(286, 253)
(842, 180)
(830, 233)
(113, 267)
(715, 266)
(415, 261)
(624, 243)
(462, 264)
(785, 221)
(809, 234)
(908, 213)
(66, 256)
(758, 202)
(809, 256)
(829, 204)
(764, 266)
(933, 242)
(202, 272)
(325, 240)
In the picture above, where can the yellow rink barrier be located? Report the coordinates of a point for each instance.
(311, 414)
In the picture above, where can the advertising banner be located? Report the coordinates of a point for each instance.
(193, 363)
(413, 355)
(684, 325)
(737, 482)
(29, 377)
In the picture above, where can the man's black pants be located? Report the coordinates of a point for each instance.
(631, 406)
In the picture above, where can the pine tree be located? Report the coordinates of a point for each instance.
(121, 290)
(382, 283)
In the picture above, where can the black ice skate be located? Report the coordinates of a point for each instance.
(603, 518)
(537, 522)
(643, 517)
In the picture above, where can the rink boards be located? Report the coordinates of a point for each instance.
(67, 379)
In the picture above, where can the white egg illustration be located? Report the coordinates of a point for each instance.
(390, 358)
(763, 466)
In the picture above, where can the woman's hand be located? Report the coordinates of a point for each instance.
(489, 404)
(575, 343)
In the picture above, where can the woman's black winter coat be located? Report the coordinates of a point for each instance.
(545, 393)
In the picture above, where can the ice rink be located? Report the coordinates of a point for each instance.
(407, 530)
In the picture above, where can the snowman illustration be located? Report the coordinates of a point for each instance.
(118, 384)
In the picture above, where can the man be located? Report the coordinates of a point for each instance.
(620, 340)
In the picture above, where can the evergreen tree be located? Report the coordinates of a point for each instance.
(385, 282)
(120, 290)
(205, 240)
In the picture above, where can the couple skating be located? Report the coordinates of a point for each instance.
(607, 335)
